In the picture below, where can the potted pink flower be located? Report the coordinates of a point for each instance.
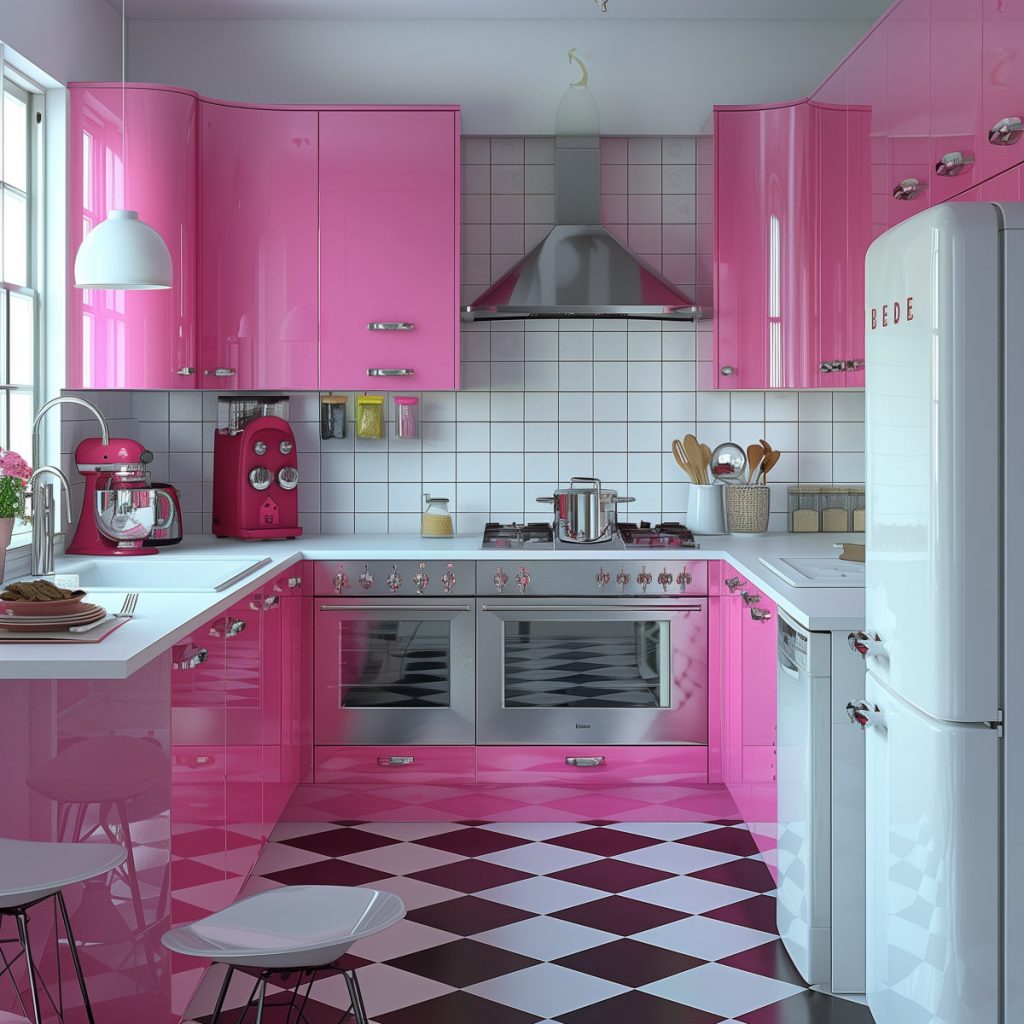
(14, 475)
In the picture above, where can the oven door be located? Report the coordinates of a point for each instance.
(593, 671)
(394, 671)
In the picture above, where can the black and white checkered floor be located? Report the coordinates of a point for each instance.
(576, 923)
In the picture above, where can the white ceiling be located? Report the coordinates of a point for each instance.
(502, 9)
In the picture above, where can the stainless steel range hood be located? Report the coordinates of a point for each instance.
(580, 269)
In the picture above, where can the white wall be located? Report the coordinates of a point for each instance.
(72, 40)
(650, 77)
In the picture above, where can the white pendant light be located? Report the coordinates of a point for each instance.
(123, 252)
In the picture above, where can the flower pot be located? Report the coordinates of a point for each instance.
(6, 531)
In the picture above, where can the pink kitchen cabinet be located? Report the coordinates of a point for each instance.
(396, 763)
(579, 765)
(389, 248)
(258, 247)
(133, 339)
(1002, 83)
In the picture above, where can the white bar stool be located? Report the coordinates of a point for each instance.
(32, 872)
(303, 928)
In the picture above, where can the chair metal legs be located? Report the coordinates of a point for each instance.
(30, 966)
(223, 992)
(355, 993)
(73, 947)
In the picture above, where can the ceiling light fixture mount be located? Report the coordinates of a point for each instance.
(123, 252)
(602, 6)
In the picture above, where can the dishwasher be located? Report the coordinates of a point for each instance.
(821, 854)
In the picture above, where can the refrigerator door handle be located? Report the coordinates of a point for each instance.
(864, 714)
(865, 642)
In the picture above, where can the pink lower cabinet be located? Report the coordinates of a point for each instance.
(389, 249)
(133, 339)
(395, 763)
(582, 765)
(258, 247)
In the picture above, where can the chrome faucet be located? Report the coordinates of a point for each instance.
(66, 400)
(44, 518)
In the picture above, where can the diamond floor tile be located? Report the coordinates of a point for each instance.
(770, 960)
(612, 875)
(540, 858)
(722, 990)
(629, 963)
(705, 938)
(541, 895)
(737, 841)
(604, 842)
(472, 842)
(693, 895)
(547, 990)
(621, 915)
(463, 963)
(340, 842)
(328, 872)
(757, 912)
(545, 938)
(744, 873)
(470, 875)
(641, 1008)
(810, 1008)
(458, 1008)
(468, 915)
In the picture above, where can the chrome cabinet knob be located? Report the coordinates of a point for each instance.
(908, 188)
(366, 578)
(288, 477)
(952, 164)
(1006, 131)
(220, 371)
(186, 371)
(259, 478)
(421, 579)
(394, 580)
(602, 579)
(500, 579)
(727, 371)
(294, 582)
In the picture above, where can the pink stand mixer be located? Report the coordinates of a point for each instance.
(120, 507)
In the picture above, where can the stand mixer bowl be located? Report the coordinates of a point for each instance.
(126, 515)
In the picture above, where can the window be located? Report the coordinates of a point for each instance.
(20, 264)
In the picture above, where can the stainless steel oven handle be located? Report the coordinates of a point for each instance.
(612, 606)
(596, 761)
(395, 606)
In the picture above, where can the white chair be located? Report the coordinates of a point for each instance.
(32, 872)
(303, 928)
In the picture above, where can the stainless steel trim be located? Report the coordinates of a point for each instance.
(395, 606)
(377, 371)
(242, 574)
(1006, 131)
(628, 604)
(908, 188)
(385, 325)
(396, 761)
(595, 761)
(186, 371)
(951, 164)
(220, 371)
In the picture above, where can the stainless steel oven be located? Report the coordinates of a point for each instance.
(394, 653)
(581, 652)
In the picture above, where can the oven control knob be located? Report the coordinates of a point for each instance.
(366, 578)
(644, 578)
(288, 478)
(421, 579)
(683, 579)
(448, 579)
(286, 447)
(260, 478)
(394, 580)
(341, 580)
(622, 578)
(260, 447)
(603, 578)
(500, 580)
(522, 579)
(665, 579)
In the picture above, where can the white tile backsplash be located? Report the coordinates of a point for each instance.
(541, 400)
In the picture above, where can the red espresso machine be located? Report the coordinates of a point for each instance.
(255, 471)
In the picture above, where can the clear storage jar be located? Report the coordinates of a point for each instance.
(406, 408)
(370, 417)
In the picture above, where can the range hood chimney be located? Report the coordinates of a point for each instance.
(580, 269)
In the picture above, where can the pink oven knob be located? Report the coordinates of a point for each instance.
(522, 579)
(394, 580)
(366, 578)
(421, 579)
(623, 578)
(500, 580)
(644, 578)
(341, 581)
(448, 579)
(665, 580)
(603, 578)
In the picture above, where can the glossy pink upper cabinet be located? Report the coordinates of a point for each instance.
(866, 87)
(908, 80)
(258, 247)
(765, 251)
(1002, 85)
(133, 339)
(958, 142)
(389, 230)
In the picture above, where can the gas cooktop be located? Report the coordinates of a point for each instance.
(541, 536)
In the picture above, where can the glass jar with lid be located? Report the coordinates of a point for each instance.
(405, 416)
(370, 417)
(437, 520)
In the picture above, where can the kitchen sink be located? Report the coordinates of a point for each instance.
(817, 572)
(156, 574)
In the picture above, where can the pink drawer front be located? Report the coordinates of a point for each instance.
(592, 766)
(394, 764)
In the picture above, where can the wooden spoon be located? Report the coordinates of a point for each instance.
(695, 457)
(755, 453)
(677, 451)
(766, 446)
(705, 462)
(769, 463)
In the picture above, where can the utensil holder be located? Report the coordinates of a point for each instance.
(746, 508)
(705, 512)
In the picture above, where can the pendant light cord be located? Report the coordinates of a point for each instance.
(124, 117)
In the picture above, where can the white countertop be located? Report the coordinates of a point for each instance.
(163, 619)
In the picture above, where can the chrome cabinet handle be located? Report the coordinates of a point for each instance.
(396, 761)
(760, 614)
(379, 371)
(727, 371)
(231, 627)
(190, 658)
(220, 371)
(839, 365)
(1006, 131)
(597, 761)
(908, 188)
(390, 325)
(733, 583)
(952, 164)
(749, 599)
(294, 582)
(186, 371)
(271, 602)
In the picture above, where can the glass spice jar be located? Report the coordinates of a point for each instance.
(370, 417)
(405, 416)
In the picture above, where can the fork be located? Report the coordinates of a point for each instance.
(127, 611)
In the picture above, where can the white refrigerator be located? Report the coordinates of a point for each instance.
(945, 568)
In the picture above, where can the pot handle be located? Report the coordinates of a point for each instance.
(584, 480)
(548, 499)
(620, 501)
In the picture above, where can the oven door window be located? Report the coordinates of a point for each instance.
(587, 664)
(394, 663)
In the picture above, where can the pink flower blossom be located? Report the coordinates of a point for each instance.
(12, 464)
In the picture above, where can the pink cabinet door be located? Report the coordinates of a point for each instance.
(133, 339)
(958, 141)
(1002, 82)
(759, 664)
(1003, 188)
(765, 254)
(258, 245)
(906, 32)
(389, 230)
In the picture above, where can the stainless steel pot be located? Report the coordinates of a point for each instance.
(584, 514)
